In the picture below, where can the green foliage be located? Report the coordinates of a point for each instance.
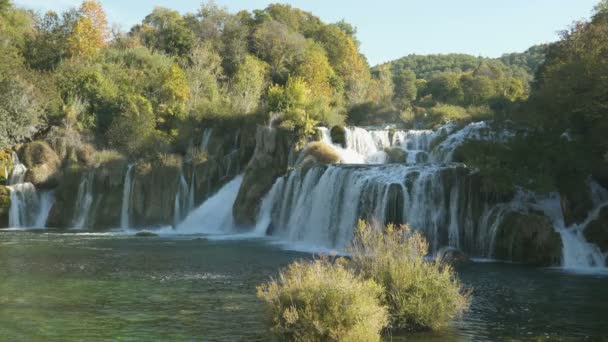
(419, 294)
(323, 301)
(165, 30)
(279, 46)
(20, 111)
(248, 85)
(406, 90)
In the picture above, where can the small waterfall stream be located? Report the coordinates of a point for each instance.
(84, 201)
(29, 208)
(214, 216)
(125, 221)
(182, 200)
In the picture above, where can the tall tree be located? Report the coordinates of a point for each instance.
(90, 31)
(405, 88)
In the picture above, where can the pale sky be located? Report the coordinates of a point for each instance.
(389, 29)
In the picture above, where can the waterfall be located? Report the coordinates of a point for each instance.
(191, 191)
(29, 208)
(23, 196)
(125, 211)
(207, 133)
(19, 170)
(84, 201)
(181, 209)
(214, 216)
(320, 207)
(416, 143)
(577, 253)
(361, 141)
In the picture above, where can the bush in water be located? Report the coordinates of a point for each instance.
(420, 294)
(323, 301)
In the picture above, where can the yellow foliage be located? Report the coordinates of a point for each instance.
(90, 31)
(85, 40)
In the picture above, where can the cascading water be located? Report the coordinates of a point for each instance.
(125, 220)
(577, 253)
(182, 196)
(29, 208)
(318, 208)
(207, 133)
(215, 215)
(321, 207)
(84, 201)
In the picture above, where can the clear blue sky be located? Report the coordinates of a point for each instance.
(389, 29)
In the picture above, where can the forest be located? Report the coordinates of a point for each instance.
(149, 91)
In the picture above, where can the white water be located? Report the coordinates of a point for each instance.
(317, 210)
(181, 202)
(577, 253)
(84, 201)
(29, 208)
(125, 221)
(214, 216)
(207, 133)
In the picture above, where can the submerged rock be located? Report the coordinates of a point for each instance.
(528, 238)
(396, 155)
(338, 135)
(596, 232)
(146, 234)
(452, 256)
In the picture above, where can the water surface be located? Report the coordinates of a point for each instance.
(59, 287)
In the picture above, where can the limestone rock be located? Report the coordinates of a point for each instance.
(528, 238)
(269, 162)
(5, 205)
(597, 230)
(396, 155)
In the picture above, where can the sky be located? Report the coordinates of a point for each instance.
(389, 29)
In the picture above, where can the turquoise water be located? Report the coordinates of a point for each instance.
(63, 287)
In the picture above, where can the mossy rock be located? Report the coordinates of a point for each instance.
(154, 187)
(338, 135)
(576, 203)
(528, 238)
(269, 162)
(6, 165)
(5, 206)
(391, 133)
(396, 155)
(42, 163)
(62, 212)
(451, 256)
(597, 231)
(322, 153)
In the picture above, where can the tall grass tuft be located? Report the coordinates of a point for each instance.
(420, 294)
(323, 301)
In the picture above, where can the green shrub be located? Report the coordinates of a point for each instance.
(338, 135)
(107, 156)
(420, 294)
(321, 301)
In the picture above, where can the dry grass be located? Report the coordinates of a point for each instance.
(323, 153)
